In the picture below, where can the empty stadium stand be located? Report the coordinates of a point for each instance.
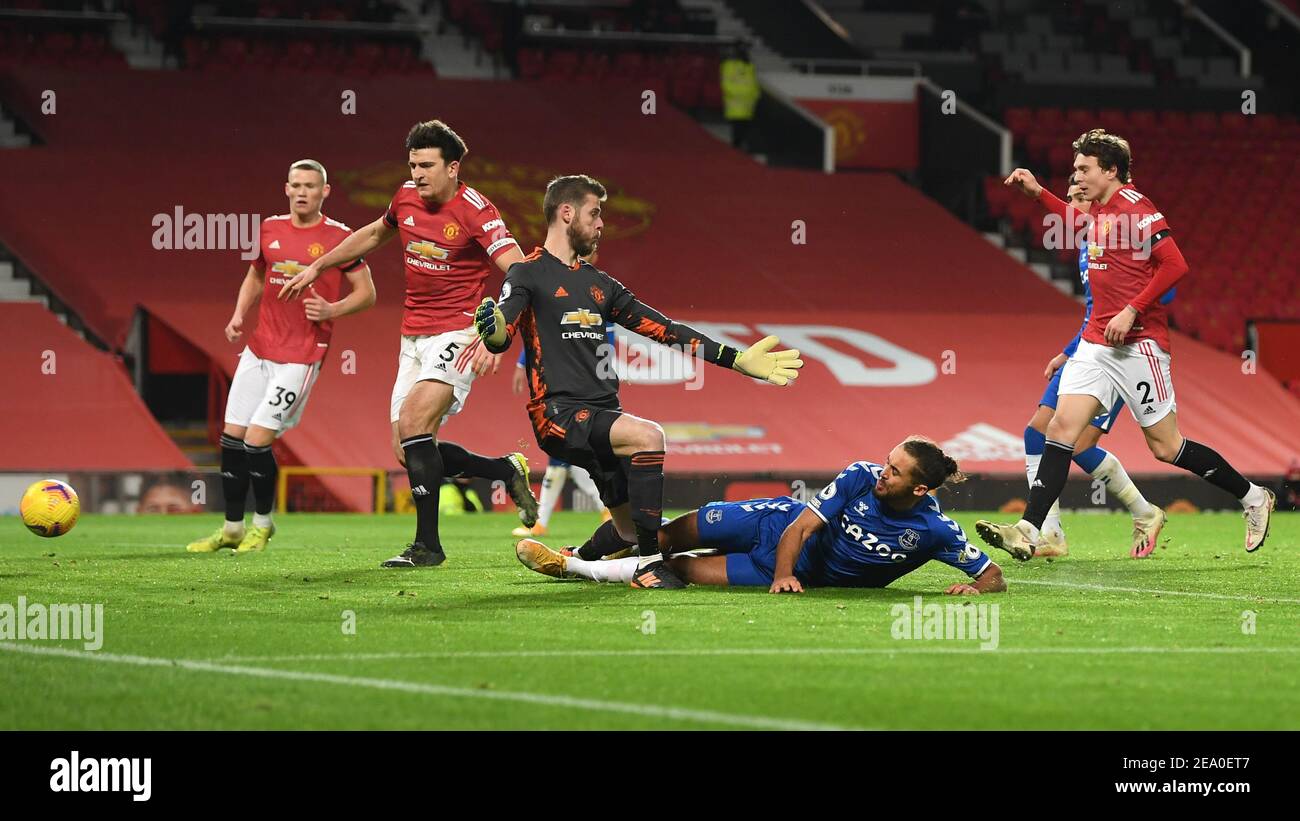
(68, 406)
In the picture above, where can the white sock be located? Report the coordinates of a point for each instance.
(583, 482)
(552, 486)
(261, 520)
(618, 570)
(1052, 522)
(1255, 496)
(234, 528)
(1112, 473)
(1033, 531)
(646, 561)
(1031, 466)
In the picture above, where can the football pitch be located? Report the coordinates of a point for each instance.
(313, 634)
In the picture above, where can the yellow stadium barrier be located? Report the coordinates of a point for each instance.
(282, 483)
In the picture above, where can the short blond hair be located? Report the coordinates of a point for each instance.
(310, 165)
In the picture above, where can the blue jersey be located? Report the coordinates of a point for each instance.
(1087, 299)
(867, 543)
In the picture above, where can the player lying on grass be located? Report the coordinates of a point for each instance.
(1100, 464)
(1133, 261)
(559, 305)
(282, 360)
(452, 237)
(870, 526)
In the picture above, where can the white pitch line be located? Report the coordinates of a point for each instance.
(1108, 589)
(539, 699)
(754, 651)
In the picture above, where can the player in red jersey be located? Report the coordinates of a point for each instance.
(451, 235)
(283, 358)
(1133, 260)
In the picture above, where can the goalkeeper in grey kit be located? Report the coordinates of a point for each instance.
(559, 304)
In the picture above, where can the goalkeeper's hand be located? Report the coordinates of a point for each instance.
(490, 323)
(760, 362)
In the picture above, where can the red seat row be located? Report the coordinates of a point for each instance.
(692, 79)
(365, 57)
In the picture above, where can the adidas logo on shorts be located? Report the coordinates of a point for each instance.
(1148, 411)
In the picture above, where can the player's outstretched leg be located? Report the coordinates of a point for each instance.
(262, 473)
(605, 541)
(234, 483)
(511, 469)
(1168, 445)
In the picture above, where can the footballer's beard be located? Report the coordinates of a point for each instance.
(899, 500)
(582, 245)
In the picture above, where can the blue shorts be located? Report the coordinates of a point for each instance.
(1104, 421)
(747, 532)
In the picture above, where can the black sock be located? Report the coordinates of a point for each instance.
(456, 461)
(645, 493)
(1049, 482)
(262, 471)
(1206, 462)
(234, 477)
(603, 542)
(424, 469)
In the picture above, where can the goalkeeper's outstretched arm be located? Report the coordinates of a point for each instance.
(758, 361)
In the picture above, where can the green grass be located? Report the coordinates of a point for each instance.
(492, 633)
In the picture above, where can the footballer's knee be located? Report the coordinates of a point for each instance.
(1165, 451)
(650, 436)
(397, 446)
(1041, 418)
(1060, 431)
(236, 431)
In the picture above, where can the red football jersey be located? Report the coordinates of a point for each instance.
(448, 251)
(284, 333)
(1120, 265)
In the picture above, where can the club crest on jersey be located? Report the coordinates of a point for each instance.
(909, 540)
(583, 416)
(713, 516)
(451, 230)
(426, 250)
(315, 249)
(597, 294)
(583, 317)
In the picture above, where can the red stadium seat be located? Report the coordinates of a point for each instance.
(1174, 120)
(1019, 120)
(1081, 119)
(1204, 122)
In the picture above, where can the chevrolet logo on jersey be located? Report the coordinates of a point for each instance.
(288, 269)
(584, 317)
(427, 250)
(1095, 251)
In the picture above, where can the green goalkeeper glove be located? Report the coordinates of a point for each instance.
(490, 323)
(760, 362)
